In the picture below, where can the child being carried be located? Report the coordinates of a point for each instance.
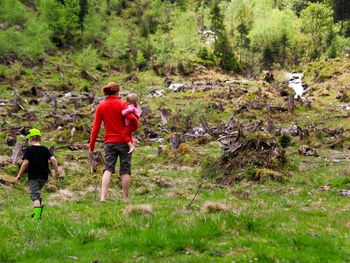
(133, 108)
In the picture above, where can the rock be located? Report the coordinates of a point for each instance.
(325, 188)
(307, 151)
(214, 207)
(165, 115)
(179, 87)
(344, 192)
(158, 92)
(11, 139)
(4, 160)
(162, 182)
(344, 94)
(269, 77)
(176, 140)
(7, 180)
(144, 209)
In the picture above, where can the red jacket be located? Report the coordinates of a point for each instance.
(110, 113)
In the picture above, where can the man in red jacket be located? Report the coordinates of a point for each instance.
(110, 113)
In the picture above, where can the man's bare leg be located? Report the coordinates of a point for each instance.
(105, 182)
(126, 186)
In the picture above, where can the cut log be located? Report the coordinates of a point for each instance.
(18, 152)
(176, 139)
(11, 139)
(95, 159)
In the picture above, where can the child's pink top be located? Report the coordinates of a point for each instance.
(131, 109)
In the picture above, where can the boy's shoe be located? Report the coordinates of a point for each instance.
(37, 212)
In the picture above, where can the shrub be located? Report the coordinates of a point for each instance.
(285, 140)
(87, 59)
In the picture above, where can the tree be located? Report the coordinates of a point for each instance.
(117, 42)
(185, 38)
(275, 35)
(318, 22)
(341, 10)
(222, 47)
(83, 12)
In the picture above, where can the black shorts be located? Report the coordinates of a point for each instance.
(113, 150)
(35, 186)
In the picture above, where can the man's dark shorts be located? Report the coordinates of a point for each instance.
(113, 150)
(35, 186)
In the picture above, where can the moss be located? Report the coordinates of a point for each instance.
(184, 148)
(11, 169)
(320, 71)
(265, 174)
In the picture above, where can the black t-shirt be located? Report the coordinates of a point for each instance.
(38, 157)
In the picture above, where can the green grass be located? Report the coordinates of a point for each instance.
(293, 221)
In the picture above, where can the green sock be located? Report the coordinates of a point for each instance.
(37, 212)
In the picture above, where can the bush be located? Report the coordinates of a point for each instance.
(285, 140)
(117, 43)
(13, 12)
(87, 59)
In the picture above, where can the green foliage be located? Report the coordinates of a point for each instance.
(317, 21)
(222, 47)
(26, 37)
(275, 35)
(13, 12)
(285, 140)
(161, 43)
(94, 27)
(87, 59)
(168, 33)
(53, 14)
(185, 38)
(117, 42)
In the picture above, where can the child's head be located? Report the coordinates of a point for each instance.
(34, 136)
(34, 140)
(132, 99)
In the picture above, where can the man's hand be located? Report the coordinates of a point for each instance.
(58, 173)
(132, 149)
(18, 178)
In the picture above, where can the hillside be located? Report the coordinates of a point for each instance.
(303, 212)
(243, 145)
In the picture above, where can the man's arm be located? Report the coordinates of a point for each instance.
(55, 166)
(24, 167)
(95, 129)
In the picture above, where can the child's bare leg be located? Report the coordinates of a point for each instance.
(36, 203)
(131, 147)
(105, 182)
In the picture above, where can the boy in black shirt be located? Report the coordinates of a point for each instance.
(36, 160)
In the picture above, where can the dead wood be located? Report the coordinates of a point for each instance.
(11, 139)
(95, 159)
(18, 152)
(176, 140)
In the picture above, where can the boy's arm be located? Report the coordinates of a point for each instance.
(24, 167)
(55, 166)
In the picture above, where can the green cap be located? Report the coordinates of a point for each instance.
(32, 133)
